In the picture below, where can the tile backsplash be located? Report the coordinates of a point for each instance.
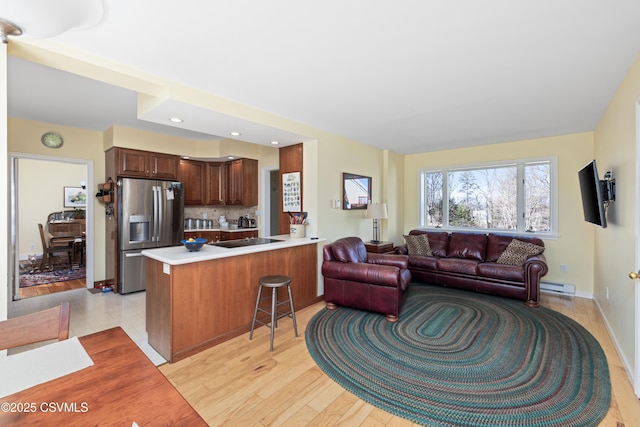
(232, 213)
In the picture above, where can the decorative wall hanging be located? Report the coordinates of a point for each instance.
(356, 191)
(75, 197)
(291, 192)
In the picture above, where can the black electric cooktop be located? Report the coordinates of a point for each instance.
(245, 242)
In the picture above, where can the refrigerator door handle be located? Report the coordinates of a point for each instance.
(156, 224)
(159, 215)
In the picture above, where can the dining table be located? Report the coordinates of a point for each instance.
(122, 388)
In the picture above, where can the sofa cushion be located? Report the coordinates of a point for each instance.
(418, 244)
(438, 240)
(458, 265)
(501, 271)
(349, 249)
(518, 251)
(497, 244)
(467, 245)
(423, 262)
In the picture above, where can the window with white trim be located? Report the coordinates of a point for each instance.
(515, 197)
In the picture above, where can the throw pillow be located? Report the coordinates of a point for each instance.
(518, 251)
(418, 244)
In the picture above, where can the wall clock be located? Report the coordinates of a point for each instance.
(52, 140)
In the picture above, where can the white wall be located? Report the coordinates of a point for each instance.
(335, 156)
(615, 149)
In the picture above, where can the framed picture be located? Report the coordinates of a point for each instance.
(75, 197)
(291, 192)
(356, 191)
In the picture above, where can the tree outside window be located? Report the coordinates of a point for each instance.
(509, 197)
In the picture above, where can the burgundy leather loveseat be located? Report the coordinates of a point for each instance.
(357, 279)
(509, 266)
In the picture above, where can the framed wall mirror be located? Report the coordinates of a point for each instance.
(356, 191)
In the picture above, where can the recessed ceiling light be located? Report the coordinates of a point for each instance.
(235, 134)
(175, 119)
(274, 143)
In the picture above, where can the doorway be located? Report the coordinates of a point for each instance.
(274, 202)
(636, 375)
(269, 190)
(42, 186)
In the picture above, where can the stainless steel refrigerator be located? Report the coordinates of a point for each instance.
(150, 215)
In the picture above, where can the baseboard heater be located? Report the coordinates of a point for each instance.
(558, 288)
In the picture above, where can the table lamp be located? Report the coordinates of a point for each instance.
(376, 211)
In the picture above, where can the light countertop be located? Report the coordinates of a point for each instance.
(178, 255)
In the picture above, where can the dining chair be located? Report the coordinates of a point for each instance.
(45, 325)
(48, 249)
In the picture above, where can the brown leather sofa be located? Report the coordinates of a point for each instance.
(366, 281)
(478, 262)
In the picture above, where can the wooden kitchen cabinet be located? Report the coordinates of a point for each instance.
(249, 234)
(192, 176)
(193, 306)
(215, 183)
(242, 182)
(237, 235)
(190, 235)
(221, 236)
(164, 166)
(145, 164)
(211, 236)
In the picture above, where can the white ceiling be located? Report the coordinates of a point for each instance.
(409, 75)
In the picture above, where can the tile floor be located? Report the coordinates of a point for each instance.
(93, 312)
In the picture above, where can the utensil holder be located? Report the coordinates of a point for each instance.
(297, 230)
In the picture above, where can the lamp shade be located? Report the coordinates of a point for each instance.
(45, 18)
(377, 210)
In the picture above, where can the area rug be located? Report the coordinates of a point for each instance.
(459, 358)
(61, 275)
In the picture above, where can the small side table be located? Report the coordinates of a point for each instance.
(379, 248)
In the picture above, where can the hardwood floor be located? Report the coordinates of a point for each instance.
(240, 383)
(51, 288)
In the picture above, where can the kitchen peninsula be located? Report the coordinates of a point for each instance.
(195, 300)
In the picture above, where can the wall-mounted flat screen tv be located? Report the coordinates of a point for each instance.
(593, 195)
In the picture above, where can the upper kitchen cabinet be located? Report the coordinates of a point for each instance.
(216, 183)
(193, 175)
(242, 182)
(164, 166)
(145, 164)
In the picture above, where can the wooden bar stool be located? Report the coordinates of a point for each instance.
(274, 282)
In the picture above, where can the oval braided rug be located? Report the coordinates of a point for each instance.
(459, 358)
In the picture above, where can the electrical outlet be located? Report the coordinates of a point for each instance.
(564, 268)
(204, 216)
